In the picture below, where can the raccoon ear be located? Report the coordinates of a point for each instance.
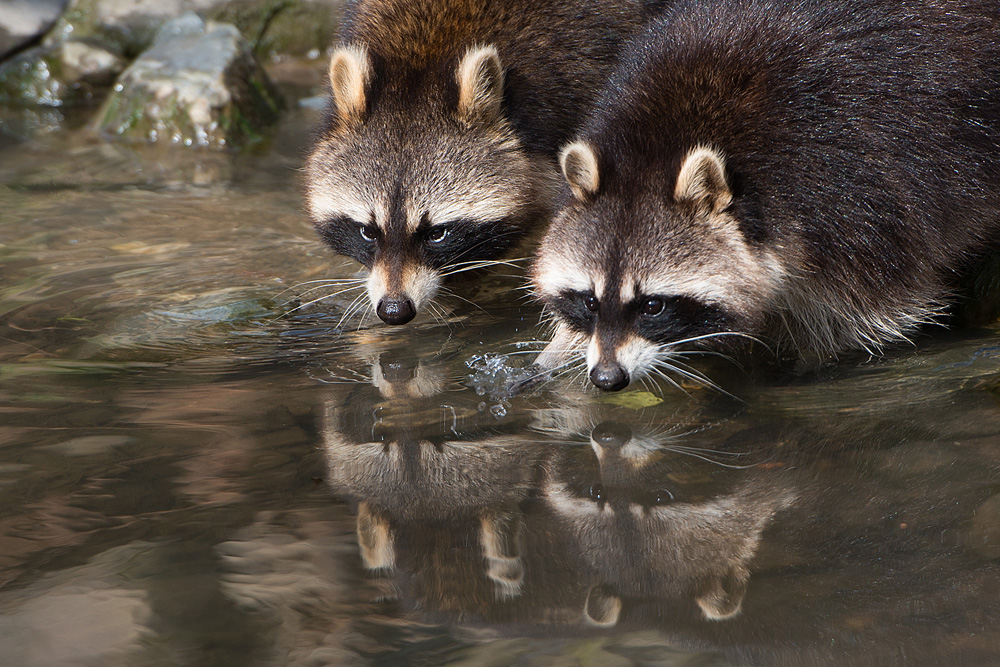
(350, 75)
(480, 85)
(579, 166)
(723, 597)
(702, 180)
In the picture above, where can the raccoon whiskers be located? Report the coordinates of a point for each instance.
(324, 281)
(314, 289)
(439, 314)
(472, 265)
(322, 298)
(717, 334)
(662, 374)
(490, 240)
(357, 304)
(340, 379)
(663, 364)
(452, 294)
(703, 455)
(365, 314)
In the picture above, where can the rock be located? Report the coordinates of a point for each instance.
(284, 27)
(293, 26)
(24, 21)
(54, 75)
(199, 84)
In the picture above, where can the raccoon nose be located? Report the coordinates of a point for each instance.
(609, 377)
(396, 311)
(611, 435)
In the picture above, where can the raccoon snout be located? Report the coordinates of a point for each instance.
(609, 376)
(396, 311)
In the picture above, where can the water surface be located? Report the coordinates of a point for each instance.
(199, 465)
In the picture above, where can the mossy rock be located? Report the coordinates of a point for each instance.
(55, 75)
(284, 27)
(271, 26)
(198, 85)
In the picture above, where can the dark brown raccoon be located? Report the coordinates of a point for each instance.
(809, 171)
(438, 150)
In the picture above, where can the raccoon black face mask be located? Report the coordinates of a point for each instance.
(437, 154)
(810, 173)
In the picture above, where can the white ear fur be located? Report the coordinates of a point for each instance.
(579, 166)
(350, 74)
(702, 180)
(480, 84)
(724, 597)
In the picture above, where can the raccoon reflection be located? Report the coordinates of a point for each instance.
(438, 149)
(645, 535)
(397, 371)
(423, 492)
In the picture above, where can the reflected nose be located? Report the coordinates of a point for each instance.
(611, 435)
(609, 377)
(396, 311)
(398, 371)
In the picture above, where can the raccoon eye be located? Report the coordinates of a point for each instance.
(591, 303)
(437, 234)
(652, 307)
(368, 233)
(662, 496)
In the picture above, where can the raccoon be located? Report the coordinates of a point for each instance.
(809, 172)
(438, 150)
(641, 541)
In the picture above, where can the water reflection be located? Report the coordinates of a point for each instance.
(552, 520)
(190, 473)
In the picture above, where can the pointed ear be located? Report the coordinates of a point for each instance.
(579, 166)
(702, 180)
(350, 76)
(480, 85)
(723, 598)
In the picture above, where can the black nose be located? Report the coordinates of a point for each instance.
(609, 377)
(396, 311)
(611, 435)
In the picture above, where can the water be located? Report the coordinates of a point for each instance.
(194, 470)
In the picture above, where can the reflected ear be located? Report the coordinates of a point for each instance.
(603, 608)
(702, 180)
(480, 85)
(723, 598)
(375, 539)
(500, 539)
(350, 76)
(579, 166)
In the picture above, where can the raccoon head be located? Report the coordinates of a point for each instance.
(647, 259)
(418, 174)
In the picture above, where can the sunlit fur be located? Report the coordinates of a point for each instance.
(813, 174)
(450, 113)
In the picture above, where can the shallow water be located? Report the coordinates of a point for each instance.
(198, 466)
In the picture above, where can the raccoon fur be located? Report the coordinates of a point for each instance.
(438, 150)
(810, 172)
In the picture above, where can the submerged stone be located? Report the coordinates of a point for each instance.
(198, 85)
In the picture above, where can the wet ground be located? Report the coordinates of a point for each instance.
(199, 465)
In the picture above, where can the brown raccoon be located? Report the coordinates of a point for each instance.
(437, 153)
(806, 171)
